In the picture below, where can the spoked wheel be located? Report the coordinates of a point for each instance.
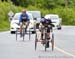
(16, 35)
(24, 31)
(45, 41)
(52, 41)
(29, 34)
(36, 40)
(45, 44)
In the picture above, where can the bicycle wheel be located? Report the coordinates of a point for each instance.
(45, 41)
(16, 35)
(29, 34)
(36, 41)
(52, 41)
(23, 32)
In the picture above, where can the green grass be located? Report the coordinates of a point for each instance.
(4, 25)
(5, 7)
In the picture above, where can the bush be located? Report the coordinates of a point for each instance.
(67, 15)
(5, 7)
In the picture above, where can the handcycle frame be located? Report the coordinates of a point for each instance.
(51, 40)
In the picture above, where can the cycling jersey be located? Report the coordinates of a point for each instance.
(48, 24)
(24, 17)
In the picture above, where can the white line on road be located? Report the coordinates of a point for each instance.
(65, 52)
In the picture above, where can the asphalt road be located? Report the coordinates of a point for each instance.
(64, 46)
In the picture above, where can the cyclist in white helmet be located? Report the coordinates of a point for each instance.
(46, 22)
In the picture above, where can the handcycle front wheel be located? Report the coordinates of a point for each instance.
(45, 45)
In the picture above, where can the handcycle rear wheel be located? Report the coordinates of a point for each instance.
(45, 41)
(36, 41)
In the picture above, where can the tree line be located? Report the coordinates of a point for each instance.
(45, 3)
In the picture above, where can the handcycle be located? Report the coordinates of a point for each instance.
(24, 32)
(51, 40)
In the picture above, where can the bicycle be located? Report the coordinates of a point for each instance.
(23, 32)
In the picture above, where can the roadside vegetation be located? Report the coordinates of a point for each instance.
(5, 7)
(65, 10)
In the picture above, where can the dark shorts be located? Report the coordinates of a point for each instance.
(48, 30)
(24, 20)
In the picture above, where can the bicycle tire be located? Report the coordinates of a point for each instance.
(52, 41)
(23, 32)
(29, 34)
(16, 35)
(45, 39)
(36, 41)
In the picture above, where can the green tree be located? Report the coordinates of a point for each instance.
(48, 4)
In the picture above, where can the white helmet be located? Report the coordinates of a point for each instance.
(47, 17)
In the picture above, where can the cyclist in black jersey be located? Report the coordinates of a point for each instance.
(46, 22)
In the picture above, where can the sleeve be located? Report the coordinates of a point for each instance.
(43, 21)
(27, 17)
(20, 19)
(51, 23)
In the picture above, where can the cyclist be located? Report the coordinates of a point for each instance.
(24, 20)
(46, 22)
